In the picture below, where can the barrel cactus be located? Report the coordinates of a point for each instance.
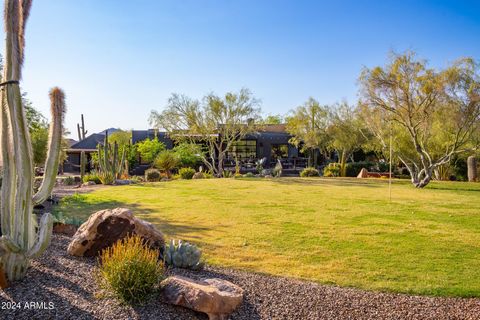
(182, 255)
(21, 238)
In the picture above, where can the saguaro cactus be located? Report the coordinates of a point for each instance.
(20, 240)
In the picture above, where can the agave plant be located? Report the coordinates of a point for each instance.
(182, 255)
(20, 239)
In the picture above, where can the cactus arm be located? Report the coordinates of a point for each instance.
(7, 245)
(57, 99)
(43, 236)
(6, 202)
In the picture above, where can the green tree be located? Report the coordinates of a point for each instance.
(346, 134)
(431, 114)
(38, 128)
(272, 119)
(189, 154)
(149, 149)
(122, 138)
(308, 125)
(217, 122)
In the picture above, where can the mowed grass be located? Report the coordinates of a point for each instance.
(334, 231)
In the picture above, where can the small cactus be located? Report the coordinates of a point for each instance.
(182, 255)
(110, 165)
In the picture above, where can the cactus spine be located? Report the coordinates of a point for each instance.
(110, 165)
(20, 241)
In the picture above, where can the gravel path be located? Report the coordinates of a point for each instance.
(67, 283)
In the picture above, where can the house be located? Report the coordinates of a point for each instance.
(269, 141)
(87, 145)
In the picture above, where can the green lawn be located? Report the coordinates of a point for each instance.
(338, 231)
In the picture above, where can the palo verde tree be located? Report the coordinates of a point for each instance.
(20, 239)
(216, 122)
(431, 114)
(308, 125)
(345, 133)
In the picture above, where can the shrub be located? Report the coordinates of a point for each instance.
(188, 154)
(69, 181)
(227, 174)
(152, 175)
(149, 149)
(167, 161)
(332, 170)
(92, 176)
(309, 172)
(354, 168)
(198, 175)
(130, 270)
(186, 173)
(249, 175)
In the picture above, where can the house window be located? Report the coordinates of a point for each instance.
(243, 150)
(279, 151)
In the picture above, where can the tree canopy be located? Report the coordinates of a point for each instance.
(431, 114)
(215, 122)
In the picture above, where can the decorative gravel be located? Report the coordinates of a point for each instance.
(58, 286)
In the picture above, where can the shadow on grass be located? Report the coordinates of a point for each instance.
(340, 182)
(81, 207)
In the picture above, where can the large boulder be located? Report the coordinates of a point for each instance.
(216, 297)
(106, 227)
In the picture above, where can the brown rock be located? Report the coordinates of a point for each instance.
(216, 297)
(106, 227)
(363, 173)
(68, 229)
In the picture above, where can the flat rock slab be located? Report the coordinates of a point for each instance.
(106, 227)
(217, 298)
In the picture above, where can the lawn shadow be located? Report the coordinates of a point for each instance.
(340, 182)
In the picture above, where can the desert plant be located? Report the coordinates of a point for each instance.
(130, 270)
(259, 164)
(20, 239)
(186, 173)
(277, 171)
(82, 164)
(249, 175)
(166, 161)
(69, 181)
(92, 176)
(227, 174)
(182, 255)
(199, 175)
(110, 165)
(309, 172)
(152, 175)
(332, 170)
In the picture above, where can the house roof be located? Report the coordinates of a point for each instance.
(90, 142)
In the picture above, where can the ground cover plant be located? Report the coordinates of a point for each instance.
(339, 231)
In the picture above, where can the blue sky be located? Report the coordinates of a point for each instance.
(118, 59)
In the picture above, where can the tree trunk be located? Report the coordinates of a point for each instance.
(220, 164)
(472, 169)
(343, 164)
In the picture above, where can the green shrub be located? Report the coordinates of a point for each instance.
(92, 176)
(354, 168)
(167, 161)
(186, 173)
(69, 181)
(58, 217)
(130, 270)
(332, 170)
(152, 175)
(249, 175)
(227, 174)
(309, 172)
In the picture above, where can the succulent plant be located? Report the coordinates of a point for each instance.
(182, 255)
(110, 165)
(21, 238)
